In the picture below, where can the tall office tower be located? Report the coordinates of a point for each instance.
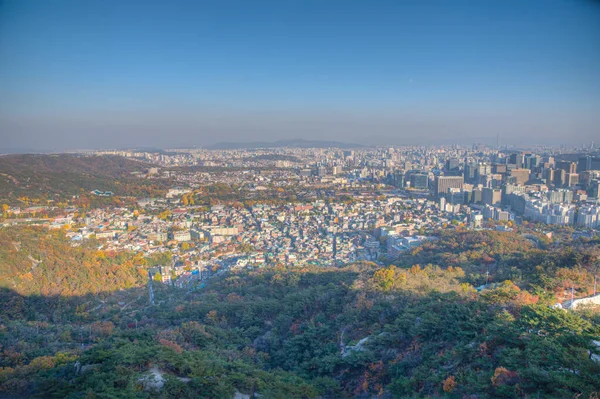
(455, 196)
(507, 189)
(496, 180)
(584, 163)
(549, 175)
(498, 158)
(588, 163)
(572, 179)
(491, 180)
(452, 165)
(469, 172)
(594, 190)
(476, 197)
(491, 196)
(532, 161)
(419, 180)
(484, 169)
(522, 175)
(560, 177)
(567, 166)
(481, 172)
(443, 183)
(516, 159)
(468, 192)
(527, 161)
(398, 178)
(499, 168)
(586, 177)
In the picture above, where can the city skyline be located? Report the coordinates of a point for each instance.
(114, 75)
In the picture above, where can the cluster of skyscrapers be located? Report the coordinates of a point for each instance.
(504, 185)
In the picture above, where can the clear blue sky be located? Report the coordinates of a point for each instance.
(108, 73)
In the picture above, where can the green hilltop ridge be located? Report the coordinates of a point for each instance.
(414, 329)
(32, 175)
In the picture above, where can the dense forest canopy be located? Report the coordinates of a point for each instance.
(38, 261)
(414, 329)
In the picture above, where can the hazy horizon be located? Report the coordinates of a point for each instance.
(81, 75)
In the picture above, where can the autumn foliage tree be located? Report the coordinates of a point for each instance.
(449, 384)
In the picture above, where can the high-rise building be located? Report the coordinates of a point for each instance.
(509, 189)
(419, 181)
(584, 163)
(521, 175)
(496, 180)
(491, 196)
(549, 175)
(567, 166)
(572, 179)
(586, 177)
(455, 196)
(594, 189)
(560, 177)
(516, 159)
(443, 183)
(483, 169)
(517, 202)
(469, 173)
(531, 161)
(559, 196)
(452, 164)
(476, 197)
(588, 163)
(499, 168)
(398, 179)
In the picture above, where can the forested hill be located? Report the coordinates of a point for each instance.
(308, 332)
(36, 261)
(32, 175)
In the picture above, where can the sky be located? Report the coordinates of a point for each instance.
(114, 74)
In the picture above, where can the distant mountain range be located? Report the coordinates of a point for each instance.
(283, 143)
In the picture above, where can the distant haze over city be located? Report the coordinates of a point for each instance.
(98, 75)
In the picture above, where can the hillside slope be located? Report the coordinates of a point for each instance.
(35, 261)
(35, 175)
(298, 332)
